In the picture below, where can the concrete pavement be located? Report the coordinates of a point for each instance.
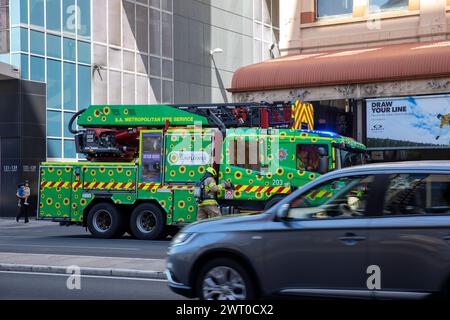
(104, 266)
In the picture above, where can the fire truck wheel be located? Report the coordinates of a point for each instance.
(147, 222)
(272, 202)
(105, 221)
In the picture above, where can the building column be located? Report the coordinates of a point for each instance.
(290, 25)
(433, 22)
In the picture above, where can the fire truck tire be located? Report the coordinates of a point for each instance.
(105, 221)
(272, 202)
(147, 223)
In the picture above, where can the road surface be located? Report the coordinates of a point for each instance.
(50, 238)
(35, 286)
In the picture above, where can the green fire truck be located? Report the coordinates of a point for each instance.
(142, 164)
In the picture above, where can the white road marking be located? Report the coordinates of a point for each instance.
(78, 256)
(83, 276)
(72, 247)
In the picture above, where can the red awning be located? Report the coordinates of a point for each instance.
(409, 61)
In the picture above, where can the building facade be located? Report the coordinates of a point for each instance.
(82, 52)
(347, 56)
(132, 52)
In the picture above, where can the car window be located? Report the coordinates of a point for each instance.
(410, 194)
(340, 198)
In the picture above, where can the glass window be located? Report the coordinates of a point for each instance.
(37, 69)
(84, 52)
(326, 8)
(37, 13)
(308, 156)
(155, 32)
(166, 5)
(54, 15)
(69, 149)
(166, 35)
(54, 148)
(84, 29)
(386, 5)
(257, 30)
(141, 90)
(99, 18)
(24, 74)
(257, 50)
(155, 66)
(129, 88)
(151, 157)
(128, 25)
(53, 46)
(24, 11)
(114, 14)
(84, 87)
(167, 91)
(276, 13)
(19, 12)
(69, 16)
(417, 194)
(257, 9)
(142, 29)
(14, 13)
(69, 49)
(155, 85)
(115, 87)
(115, 58)
(24, 39)
(341, 198)
(53, 84)
(128, 60)
(54, 124)
(267, 11)
(37, 42)
(155, 3)
(70, 88)
(16, 44)
(142, 63)
(167, 69)
(67, 117)
(15, 60)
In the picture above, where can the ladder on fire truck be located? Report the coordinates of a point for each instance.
(243, 114)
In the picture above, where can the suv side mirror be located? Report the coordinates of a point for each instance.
(283, 211)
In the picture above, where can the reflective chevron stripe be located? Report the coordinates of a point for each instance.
(89, 185)
(252, 189)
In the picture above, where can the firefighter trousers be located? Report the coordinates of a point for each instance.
(207, 212)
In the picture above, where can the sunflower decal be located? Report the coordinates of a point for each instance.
(282, 154)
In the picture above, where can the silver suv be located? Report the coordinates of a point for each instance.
(376, 231)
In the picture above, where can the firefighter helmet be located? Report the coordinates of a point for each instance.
(212, 171)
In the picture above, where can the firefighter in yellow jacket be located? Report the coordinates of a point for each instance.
(445, 121)
(208, 207)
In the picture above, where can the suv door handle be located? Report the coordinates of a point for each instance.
(351, 239)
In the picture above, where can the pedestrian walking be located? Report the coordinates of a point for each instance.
(23, 194)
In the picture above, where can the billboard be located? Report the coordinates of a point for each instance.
(408, 122)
